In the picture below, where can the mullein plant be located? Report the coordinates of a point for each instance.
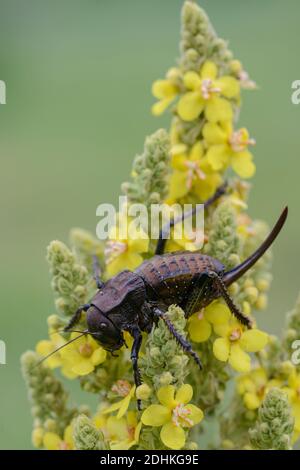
(249, 390)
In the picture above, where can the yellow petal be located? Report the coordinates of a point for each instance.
(46, 347)
(221, 349)
(156, 415)
(179, 149)
(207, 187)
(159, 107)
(296, 413)
(214, 134)
(83, 367)
(192, 81)
(164, 89)
(190, 106)
(218, 156)
(196, 151)
(125, 403)
(222, 329)
(178, 185)
(117, 428)
(218, 109)
(196, 415)
(113, 407)
(217, 313)
(98, 356)
(242, 164)
(137, 432)
(238, 359)
(199, 330)
(209, 70)
(251, 401)
(68, 435)
(139, 241)
(230, 87)
(253, 340)
(172, 436)
(184, 394)
(51, 441)
(166, 395)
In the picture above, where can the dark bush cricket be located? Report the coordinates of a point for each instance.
(134, 301)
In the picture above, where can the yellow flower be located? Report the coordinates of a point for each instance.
(123, 251)
(229, 147)
(125, 390)
(124, 432)
(53, 441)
(174, 414)
(166, 91)
(45, 347)
(205, 95)
(293, 392)
(83, 355)
(192, 171)
(235, 343)
(200, 323)
(254, 386)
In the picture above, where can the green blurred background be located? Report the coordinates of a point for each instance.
(78, 76)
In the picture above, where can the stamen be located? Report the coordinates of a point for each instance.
(121, 387)
(181, 413)
(113, 249)
(235, 334)
(207, 88)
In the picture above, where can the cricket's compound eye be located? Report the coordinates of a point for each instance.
(103, 330)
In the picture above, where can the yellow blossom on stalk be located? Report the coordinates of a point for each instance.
(236, 342)
(191, 170)
(200, 323)
(53, 441)
(206, 95)
(83, 355)
(124, 390)
(184, 241)
(123, 250)
(123, 433)
(45, 347)
(229, 147)
(242, 75)
(173, 414)
(254, 386)
(165, 91)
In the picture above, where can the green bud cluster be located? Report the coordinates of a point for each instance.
(223, 242)
(69, 278)
(275, 424)
(150, 171)
(164, 361)
(47, 395)
(199, 41)
(86, 435)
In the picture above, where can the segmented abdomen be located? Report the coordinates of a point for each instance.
(170, 277)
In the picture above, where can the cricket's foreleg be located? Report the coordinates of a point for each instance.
(220, 286)
(186, 346)
(76, 317)
(137, 342)
(164, 234)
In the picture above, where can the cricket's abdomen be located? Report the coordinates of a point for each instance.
(171, 276)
